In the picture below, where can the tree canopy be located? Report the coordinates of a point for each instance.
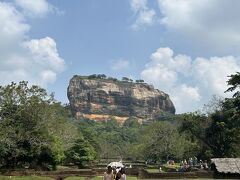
(38, 131)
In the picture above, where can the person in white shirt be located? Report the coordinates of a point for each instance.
(108, 175)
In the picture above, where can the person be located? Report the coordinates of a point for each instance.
(185, 165)
(108, 175)
(121, 174)
(181, 163)
(195, 161)
(205, 165)
(118, 175)
(190, 162)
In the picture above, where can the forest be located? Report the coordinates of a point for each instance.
(36, 131)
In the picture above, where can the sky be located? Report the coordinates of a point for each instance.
(186, 48)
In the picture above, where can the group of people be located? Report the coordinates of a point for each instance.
(114, 173)
(193, 162)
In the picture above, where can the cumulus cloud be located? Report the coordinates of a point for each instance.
(21, 58)
(45, 54)
(212, 23)
(12, 28)
(189, 82)
(212, 73)
(185, 98)
(138, 5)
(159, 74)
(34, 8)
(120, 64)
(145, 16)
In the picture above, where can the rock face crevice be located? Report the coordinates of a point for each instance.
(96, 98)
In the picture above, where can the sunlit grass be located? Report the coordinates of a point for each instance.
(76, 178)
(153, 170)
(24, 178)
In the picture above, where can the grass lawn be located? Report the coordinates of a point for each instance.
(131, 178)
(77, 178)
(152, 170)
(98, 178)
(24, 178)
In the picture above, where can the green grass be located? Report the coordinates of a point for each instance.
(130, 178)
(97, 178)
(75, 178)
(79, 178)
(24, 178)
(176, 165)
(153, 170)
(84, 178)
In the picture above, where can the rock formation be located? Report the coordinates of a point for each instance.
(101, 99)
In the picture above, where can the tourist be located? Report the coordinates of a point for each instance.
(114, 173)
(190, 162)
(181, 163)
(195, 161)
(108, 175)
(118, 175)
(205, 165)
(185, 165)
(123, 174)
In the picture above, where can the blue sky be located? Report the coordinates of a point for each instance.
(184, 47)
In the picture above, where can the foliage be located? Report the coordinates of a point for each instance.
(35, 130)
(139, 81)
(218, 131)
(97, 76)
(126, 79)
(30, 130)
(80, 153)
(163, 142)
(25, 178)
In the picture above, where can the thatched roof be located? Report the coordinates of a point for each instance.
(227, 165)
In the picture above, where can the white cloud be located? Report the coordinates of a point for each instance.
(212, 23)
(213, 26)
(189, 82)
(21, 58)
(12, 28)
(34, 7)
(47, 76)
(212, 73)
(138, 5)
(160, 75)
(164, 57)
(145, 16)
(44, 53)
(120, 64)
(185, 98)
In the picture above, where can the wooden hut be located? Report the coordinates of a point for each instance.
(226, 167)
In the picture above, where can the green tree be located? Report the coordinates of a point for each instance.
(30, 125)
(218, 131)
(81, 153)
(163, 142)
(125, 79)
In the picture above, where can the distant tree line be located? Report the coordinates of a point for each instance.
(103, 76)
(97, 76)
(37, 131)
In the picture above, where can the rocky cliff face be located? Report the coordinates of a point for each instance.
(101, 99)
